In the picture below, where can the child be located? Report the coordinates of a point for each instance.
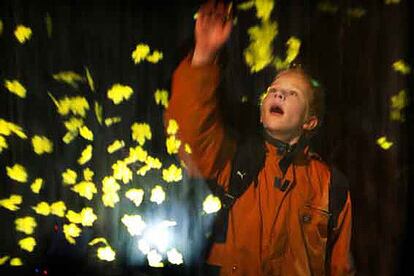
(282, 214)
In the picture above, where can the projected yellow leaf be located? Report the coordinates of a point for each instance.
(122, 172)
(187, 149)
(135, 195)
(172, 174)
(15, 87)
(4, 259)
(384, 143)
(71, 231)
(175, 257)
(112, 120)
(98, 112)
(42, 208)
(157, 194)
(86, 133)
(293, 45)
(155, 57)
(136, 154)
(140, 53)
(173, 145)
(116, 145)
(26, 225)
(402, 67)
(16, 262)
(85, 189)
(134, 223)
(118, 93)
(88, 216)
(76, 105)
(141, 132)
(36, 185)
(3, 144)
(88, 174)
(211, 204)
(110, 187)
(69, 77)
(106, 253)
(27, 244)
(7, 128)
(74, 217)
(154, 259)
(90, 79)
(22, 33)
(161, 97)
(86, 155)
(17, 173)
(69, 177)
(58, 209)
(41, 145)
(12, 203)
(172, 127)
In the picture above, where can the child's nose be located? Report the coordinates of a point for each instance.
(279, 95)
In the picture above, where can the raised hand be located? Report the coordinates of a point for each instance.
(212, 29)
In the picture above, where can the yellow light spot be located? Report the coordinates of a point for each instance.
(88, 216)
(259, 53)
(172, 127)
(135, 195)
(4, 259)
(7, 128)
(384, 143)
(112, 120)
(175, 257)
(85, 189)
(36, 185)
(391, 2)
(154, 259)
(136, 154)
(157, 195)
(140, 53)
(15, 87)
(41, 145)
(69, 177)
(401, 66)
(69, 77)
(106, 253)
(153, 163)
(73, 217)
(42, 208)
(356, 12)
(58, 208)
(26, 225)
(118, 93)
(161, 97)
(141, 132)
(398, 103)
(109, 189)
(3, 144)
(98, 112)
(1, 31)
(172, 144)
(22, 33)
(88, 174)
(143, 170)
(110, 199)
(76, 105)
(86, 155)
(74, 124)
(98, 240)
(292, 52)
(155, 57)
(16, 262)
(71, 231)
(172, 174)
(187, 149)
(134, 223)
(27, 244)
(48, 22)
(327, 7)
(144, 246)
(116, 145)
(211, 204)
(86, 133)
(90, 80)
(122, 172)
(12, 202)
(17, 173)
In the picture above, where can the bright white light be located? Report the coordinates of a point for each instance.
(144, 246)
(158, 237)
(175, 257)
(154, 259)
(211, 204)
(157, 195)
(134, 223)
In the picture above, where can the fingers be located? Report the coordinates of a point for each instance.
(215, 11)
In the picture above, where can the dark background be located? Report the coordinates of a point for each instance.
(351, 57)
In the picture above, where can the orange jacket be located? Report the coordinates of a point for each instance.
(270, 232)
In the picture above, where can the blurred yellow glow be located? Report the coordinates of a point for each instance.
(121, 171)
(69, 177)
(172, 127)
(144, 246)
(86, 133)
(211, 204)
(140, 53)
(85, 189)
(390, 2)
(3, 144)
(42, 208)
(22, 33)
(36, 185)
(112, 120)
(86, 155)
(157, 195)
(292, 52)
(12, 202)
(155, 57)
(106, 253)
(16, 262)
(327, 7)
(17, 173)
(384, 143)
(116, 145)
(135, 195)
(7, 128)
(154, 259)
(58, 208)
(4, 259)
(356, 12)
(141, 132)
(27, 244)
(98, 112)
(98, 240)
(161, 97)
(172, 144)
(15, 87)
(134, 223)
(69, 77)
(26, 225)
(187, 148)
(118, 93)
(90, 80)
(71, 231)
(398, 103)
(41, 145)
(175, 257)
(172, 174)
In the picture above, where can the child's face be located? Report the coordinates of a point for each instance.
(284, 110)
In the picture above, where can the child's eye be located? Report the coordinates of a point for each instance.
(292, 93)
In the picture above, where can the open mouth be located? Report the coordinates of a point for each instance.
(277, 110)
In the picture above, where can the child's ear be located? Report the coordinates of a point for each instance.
(310, 123)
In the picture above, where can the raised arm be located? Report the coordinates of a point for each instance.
(193, 102)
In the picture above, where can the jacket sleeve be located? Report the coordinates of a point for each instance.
(341, 262)
(193, 104)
